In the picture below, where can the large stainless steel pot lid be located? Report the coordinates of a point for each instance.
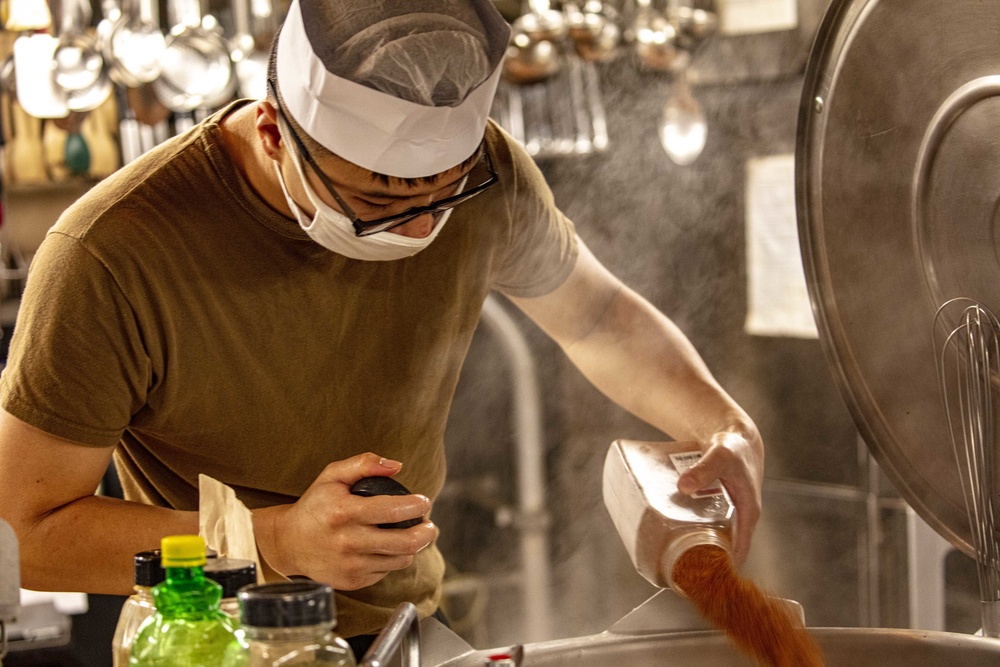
(898, 186)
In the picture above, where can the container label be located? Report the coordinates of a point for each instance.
(684, 460)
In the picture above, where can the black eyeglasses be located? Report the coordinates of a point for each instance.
(369, 227)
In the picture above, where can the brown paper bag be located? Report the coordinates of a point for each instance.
(227, 526)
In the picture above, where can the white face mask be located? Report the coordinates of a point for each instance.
(334, 231)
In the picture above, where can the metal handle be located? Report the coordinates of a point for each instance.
(990, 612)
(148, 12)
(185, 13)
(241, 23)
(596, 107)
(403, 630)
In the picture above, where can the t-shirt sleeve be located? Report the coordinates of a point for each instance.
(77, 367)
(541, 250)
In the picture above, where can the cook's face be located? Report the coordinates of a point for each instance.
(369, 198)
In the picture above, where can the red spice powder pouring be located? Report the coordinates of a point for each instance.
(757, 624)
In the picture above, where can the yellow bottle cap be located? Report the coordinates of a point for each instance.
(182, 551)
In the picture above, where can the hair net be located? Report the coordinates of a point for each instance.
(430, 52)
(398, 87)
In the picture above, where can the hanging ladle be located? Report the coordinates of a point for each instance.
(78, 67)
(682, 128)
(695, 25)
(197, 69)
(655, 38)
(133, 44)
(530, 61)
(541, 22)
(76, 63)
(594, 30)
(534, 53)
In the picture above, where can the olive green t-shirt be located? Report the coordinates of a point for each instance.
(173, 313)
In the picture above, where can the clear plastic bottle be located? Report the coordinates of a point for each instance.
(288, 624)
(232, 574)
(188, 629)
(138, 607)
(656, 521)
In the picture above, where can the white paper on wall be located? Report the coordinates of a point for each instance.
(746, 17)
(777, 298)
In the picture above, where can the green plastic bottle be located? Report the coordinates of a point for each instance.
(188, 629)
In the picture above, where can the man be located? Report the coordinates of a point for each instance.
(282, 299)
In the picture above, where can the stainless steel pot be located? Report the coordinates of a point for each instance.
(665, 632)
(842, 647)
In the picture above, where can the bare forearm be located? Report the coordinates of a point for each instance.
(639, 359)
(87, 545)
(642, 361)
(267, 534)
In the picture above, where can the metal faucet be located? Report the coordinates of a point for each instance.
(403, 630)
(10, 582)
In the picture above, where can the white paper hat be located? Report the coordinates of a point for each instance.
(380, 131)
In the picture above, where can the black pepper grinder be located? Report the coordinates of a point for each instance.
(384, 486)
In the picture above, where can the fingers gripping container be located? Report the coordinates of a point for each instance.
(656, 522)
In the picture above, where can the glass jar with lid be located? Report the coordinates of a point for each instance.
(232, 574)
(288, 623)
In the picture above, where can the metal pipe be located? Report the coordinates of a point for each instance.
(533, 518)
(403, 630)
(10, 581)
(926, 554)
(869, 554)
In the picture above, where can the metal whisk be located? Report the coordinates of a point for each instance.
(967, 337)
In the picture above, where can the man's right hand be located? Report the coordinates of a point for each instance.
(333, 536)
